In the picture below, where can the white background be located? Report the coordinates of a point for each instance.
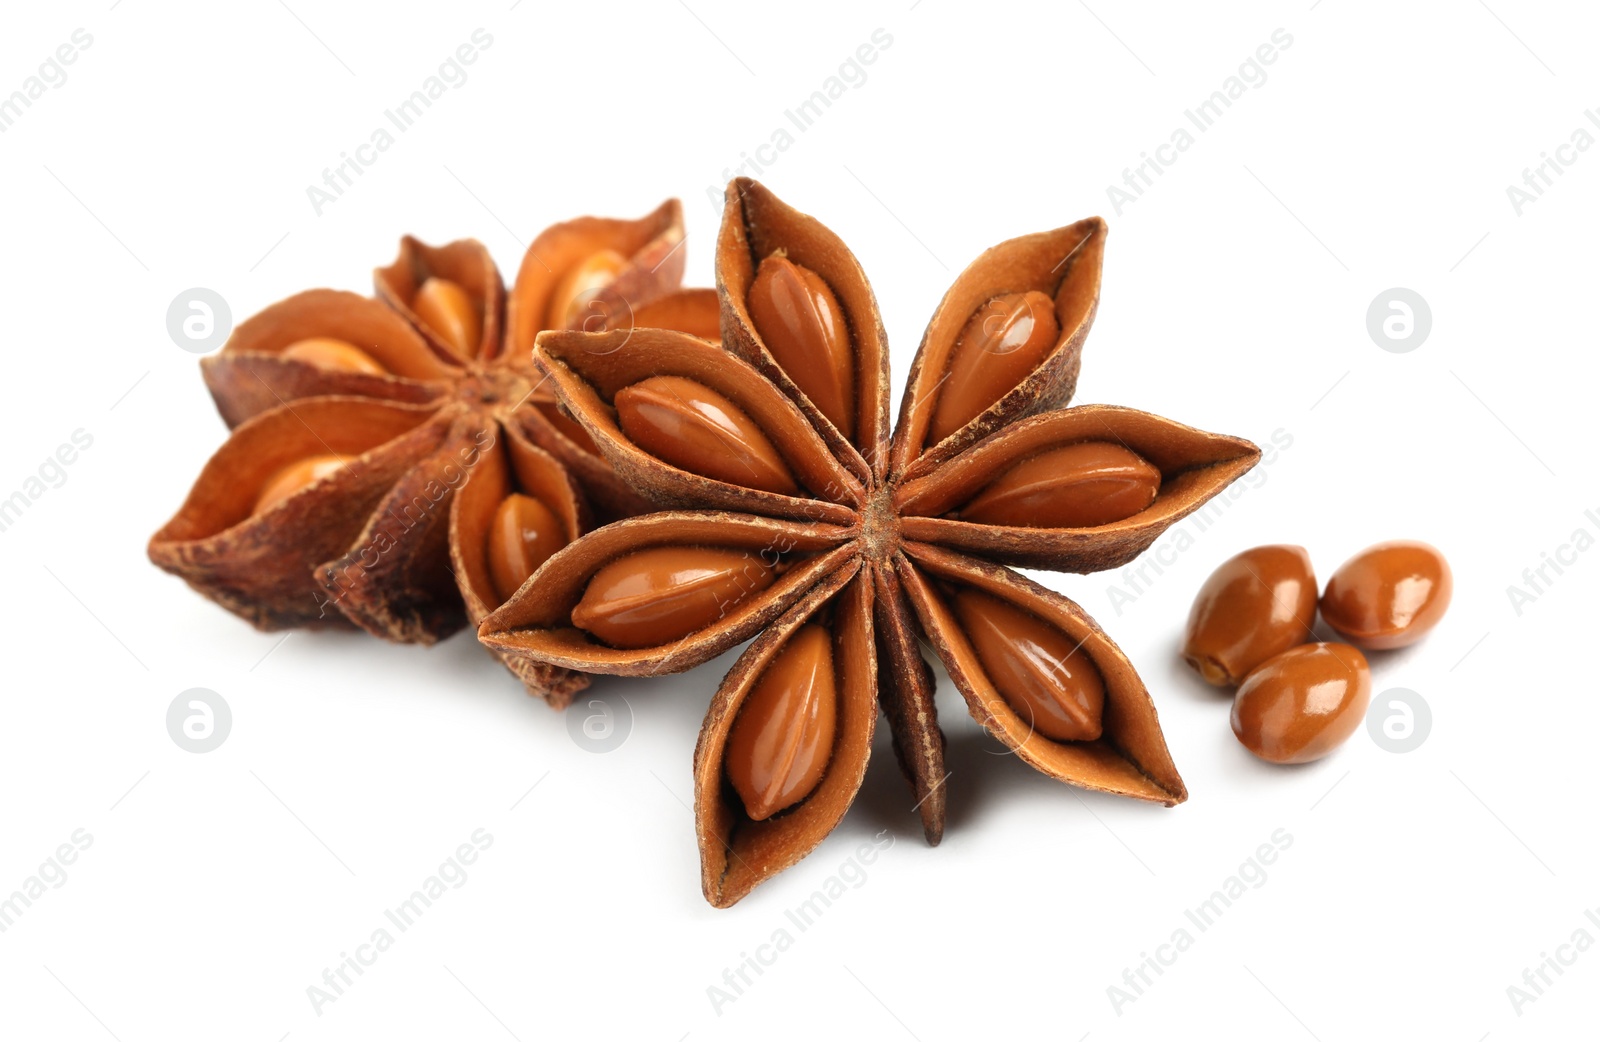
(1376, 154)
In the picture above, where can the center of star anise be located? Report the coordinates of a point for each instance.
(495, 390)
(880, 526)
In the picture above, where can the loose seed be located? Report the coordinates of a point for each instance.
(1388, 595)
(1301, 705)
(1254, 606)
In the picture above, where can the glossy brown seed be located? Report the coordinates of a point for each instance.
(1041, 672)
(444, 307)
(665, 593)
(1075, 486)
(296, 476)
(1001, 343)
(1388, 595)
(804, 328)
(1255, 605)
(522, 535)
(1301, 705)
(569, 303)
(691, 426)
(779, 745)
(334, 355)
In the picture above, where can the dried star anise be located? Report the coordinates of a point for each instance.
(797, 516)
(396, 464)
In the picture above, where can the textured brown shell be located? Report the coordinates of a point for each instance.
(736, 853)
(467, 263)
(651, 244)
(755, 224)
(247, 377)
(588, 369)
(394, 543)
(537, 622)
(611, 497)
(1063, 264)
(260, 566)
(879, 565)
(905, 689)
(394, 579)
(1194, 467)
(511, 465)
(1129, 759)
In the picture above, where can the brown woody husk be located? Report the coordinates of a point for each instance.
(514, 464)
(611, 497)
(588, 369)
(247, 377)
(1195, 465)
(467, 263)
(1129, 759)
(537, 622)
(756, 224)
(883, 572)
(386, 543)
(260, 566)
(906, 687)
(736, 853)
(651, 243)
(1065, 265)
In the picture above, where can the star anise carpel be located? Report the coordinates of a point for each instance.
(792, 513)
(397, 463)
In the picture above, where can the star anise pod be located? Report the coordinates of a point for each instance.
(397, 463)
(800, 520)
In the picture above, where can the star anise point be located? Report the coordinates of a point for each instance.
(877, 547)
